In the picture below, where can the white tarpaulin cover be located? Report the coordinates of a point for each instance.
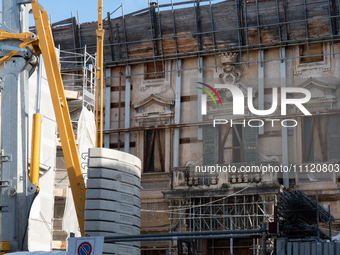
(40, 231)
(86, 138)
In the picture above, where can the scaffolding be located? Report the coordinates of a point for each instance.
(79, 76)
(158, 34)
(213, 27)
(243, 212)
(81, 67)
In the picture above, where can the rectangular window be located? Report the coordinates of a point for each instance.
(150, 70)
(314, 49)
(154, 146)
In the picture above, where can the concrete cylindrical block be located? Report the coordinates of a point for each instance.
(105, 184)
(109, 217)
(116, 175)
(113, 198)
(112, 207)
(93, 194)
(120, 249)
(111, 227)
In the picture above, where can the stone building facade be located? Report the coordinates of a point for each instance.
(153, 61)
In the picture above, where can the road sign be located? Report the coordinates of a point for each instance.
(85, 248)
(85, 245)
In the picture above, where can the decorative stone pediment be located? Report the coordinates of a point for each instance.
(311, 82)
(154, 109)
(323, 94)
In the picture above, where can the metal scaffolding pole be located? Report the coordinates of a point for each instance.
(204, 214)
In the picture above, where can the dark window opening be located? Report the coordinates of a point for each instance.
(150, 70)
(154, 146)
(314, 49)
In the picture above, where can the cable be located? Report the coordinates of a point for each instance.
(114, 11)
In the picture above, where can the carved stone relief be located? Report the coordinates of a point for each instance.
(230, 76)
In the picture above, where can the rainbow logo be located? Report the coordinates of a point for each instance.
(209, 93)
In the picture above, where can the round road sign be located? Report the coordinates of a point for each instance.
(84, 248)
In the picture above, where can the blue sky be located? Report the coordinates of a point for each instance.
(61, 9)
(87, 9)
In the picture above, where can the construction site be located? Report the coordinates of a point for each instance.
(198, 127)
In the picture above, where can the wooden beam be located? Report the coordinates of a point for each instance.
(115, 145)
(150, 150)
(303, 139)
(144, 150)
(224, 139)
(116, 105)
(321, 141)
(326, 197)
(59, 245)
(60, 192)
(240, 142)
(225, 136)
(309, 141)
(238, 135)
(188, 98)
(185, 140)
(116, 88)
(160, 150)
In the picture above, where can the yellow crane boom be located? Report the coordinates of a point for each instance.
(44, 45)
(61, 111)
(100, 75)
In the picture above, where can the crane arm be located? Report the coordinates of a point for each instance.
(27, 39)
(100, 75)
(61, 111)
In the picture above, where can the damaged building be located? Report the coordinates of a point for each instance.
(155, 59)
